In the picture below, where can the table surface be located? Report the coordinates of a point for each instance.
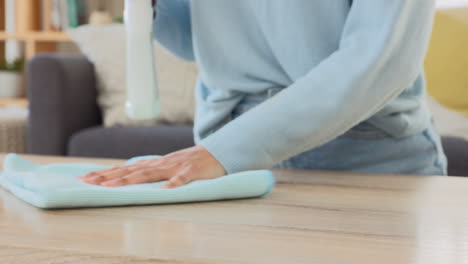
(311, 217)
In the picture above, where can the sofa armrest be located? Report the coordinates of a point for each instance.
(62, 100)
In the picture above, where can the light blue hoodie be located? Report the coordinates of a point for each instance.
(340, 62)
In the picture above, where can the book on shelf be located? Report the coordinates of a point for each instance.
(59, 15)
(50, 15)
(55, 13)
(73, 20)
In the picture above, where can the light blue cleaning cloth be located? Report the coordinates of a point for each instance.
(57, 186)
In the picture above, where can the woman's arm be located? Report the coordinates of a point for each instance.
(381, 53)
(172, 27)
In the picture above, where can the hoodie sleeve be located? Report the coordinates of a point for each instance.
(172, 27)
(381, 53)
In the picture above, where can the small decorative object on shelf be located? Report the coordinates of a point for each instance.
(100, 17)
(64, 14)
(11, 85)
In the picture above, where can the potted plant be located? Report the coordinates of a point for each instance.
(11, 85)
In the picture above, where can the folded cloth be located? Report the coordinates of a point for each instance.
(57, 186)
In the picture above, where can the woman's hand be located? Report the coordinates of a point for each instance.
(179, 168)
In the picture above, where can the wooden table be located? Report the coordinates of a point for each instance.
(311, 217)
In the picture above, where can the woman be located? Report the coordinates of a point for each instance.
(298, 84)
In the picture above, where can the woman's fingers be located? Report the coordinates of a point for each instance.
(99, 177)
(137, 177)
(97, 173)
(177, 181)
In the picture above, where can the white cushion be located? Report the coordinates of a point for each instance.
(105, 47)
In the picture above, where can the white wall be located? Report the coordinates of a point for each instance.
(452, 3)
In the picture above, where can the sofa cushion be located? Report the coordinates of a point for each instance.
(456, 150)
(127, 142)
(105, 46)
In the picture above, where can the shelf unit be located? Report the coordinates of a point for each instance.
(30, 16)
(29, 19)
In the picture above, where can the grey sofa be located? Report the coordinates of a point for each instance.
(65, 119)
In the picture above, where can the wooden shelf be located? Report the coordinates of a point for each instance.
(20, 102)
(37, 41)
(36, 36)
(30, 20)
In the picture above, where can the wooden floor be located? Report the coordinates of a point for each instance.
(311, 217)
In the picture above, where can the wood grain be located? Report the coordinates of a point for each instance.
(46, 15)
(18, 102)
(311, 217)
